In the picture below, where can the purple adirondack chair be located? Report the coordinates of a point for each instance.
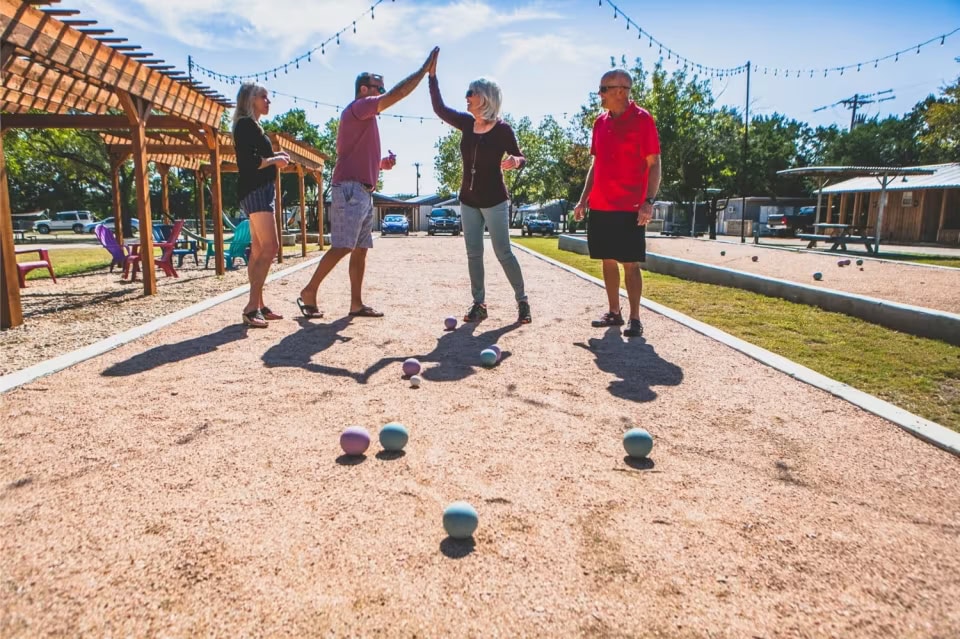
(109, 241)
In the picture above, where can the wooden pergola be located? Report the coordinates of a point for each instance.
(167, 150)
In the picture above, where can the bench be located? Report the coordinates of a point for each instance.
(25, 267)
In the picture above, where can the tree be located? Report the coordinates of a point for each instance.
(940, 129)
(775, 146)
(447, 163)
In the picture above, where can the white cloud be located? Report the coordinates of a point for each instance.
(564, 49)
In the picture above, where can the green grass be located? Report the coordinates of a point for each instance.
(917, 374)
(936, 260)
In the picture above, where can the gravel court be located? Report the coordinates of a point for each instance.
(190, 482)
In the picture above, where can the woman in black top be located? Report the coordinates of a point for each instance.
(488, 146)
(256, 187)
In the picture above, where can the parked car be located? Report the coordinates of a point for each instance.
(395, 224)
(108, 222)
(538, 223)
(793, 223)
(65, 221)
(443, 221)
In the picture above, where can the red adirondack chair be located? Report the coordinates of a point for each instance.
(165, 261)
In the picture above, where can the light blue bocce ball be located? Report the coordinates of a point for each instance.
(460, 520)
(637, 442)
(488, 357)
(818, 276)
(393, 436)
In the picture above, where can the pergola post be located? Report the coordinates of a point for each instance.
(138, 111)
(820, 184)
(278, 214)
(201, 184)
(11, 313)
(164, 171)
(117, 160)
(216, 198)
(303, 212)
(943, 212)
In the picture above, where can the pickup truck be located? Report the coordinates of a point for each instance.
(790, 224)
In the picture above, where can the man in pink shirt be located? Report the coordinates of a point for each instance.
(354, 177)
(621, 184)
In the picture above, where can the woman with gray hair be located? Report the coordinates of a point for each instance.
(488, 146)
(256, 187)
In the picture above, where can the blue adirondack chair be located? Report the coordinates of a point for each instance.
(239, 247)
(182, 248)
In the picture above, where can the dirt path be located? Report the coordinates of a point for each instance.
(189, 484)
(937, 288)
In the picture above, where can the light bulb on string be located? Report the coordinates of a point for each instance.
(354, 27)
(338, 38)
(918, 49)
(942, 40)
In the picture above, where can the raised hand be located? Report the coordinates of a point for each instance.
(431, 61)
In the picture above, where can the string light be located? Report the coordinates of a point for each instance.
(308, 56)
(318, 103)
(718, 72)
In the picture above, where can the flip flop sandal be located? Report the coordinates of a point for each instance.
(309, 310)
(365, 311)
(270, 315)
(254, 319)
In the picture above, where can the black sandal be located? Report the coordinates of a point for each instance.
(309, 310)
(254, 319)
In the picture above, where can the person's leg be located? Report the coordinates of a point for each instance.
(342, 241)
(473, 239)
(611, 282)
(263, 248)
(496, 218)
(633, 278)
(363, 211)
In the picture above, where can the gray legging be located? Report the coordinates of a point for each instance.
(495, 219)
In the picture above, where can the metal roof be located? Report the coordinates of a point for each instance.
(938, 176)
(855, 171)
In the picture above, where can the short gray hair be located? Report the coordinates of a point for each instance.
(244, 109)
(619, 74)
(490, 92)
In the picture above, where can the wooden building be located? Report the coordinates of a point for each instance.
(919, 208)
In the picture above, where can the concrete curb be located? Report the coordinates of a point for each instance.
(27, 375)
(913, 320)
(921, 428)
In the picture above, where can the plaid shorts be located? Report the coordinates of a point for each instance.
(260, 200)
(351, 216)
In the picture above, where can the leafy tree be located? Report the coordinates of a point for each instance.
(774, 146)
(940, 129)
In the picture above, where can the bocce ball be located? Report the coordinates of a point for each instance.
(415, 381)
(488, 357)
(411, 367)
(722, 253)
(818, 276)
(754, 258)
(355, 440)
(450, 323)
(460, 520)
(393, 436)
(859, 262)
(496, 349)
(637, 442)
(841, 263)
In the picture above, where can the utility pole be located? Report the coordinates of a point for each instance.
(858, 100)
(417, 164)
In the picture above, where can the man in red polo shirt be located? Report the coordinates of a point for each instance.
(620, 186)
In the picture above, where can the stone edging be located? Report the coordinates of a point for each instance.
(914, 320)
(924, 429)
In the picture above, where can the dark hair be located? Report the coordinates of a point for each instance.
(363, 79)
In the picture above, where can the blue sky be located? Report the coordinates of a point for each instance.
(547, 56)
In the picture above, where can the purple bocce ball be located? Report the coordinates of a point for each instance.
(496, 349)
(450, 323)
(411, 367)
(355, 440)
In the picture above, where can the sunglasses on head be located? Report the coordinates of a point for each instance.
(606, 87)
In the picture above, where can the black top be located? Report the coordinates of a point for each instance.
(252, 146)
(482, 184)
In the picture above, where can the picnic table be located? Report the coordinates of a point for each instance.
(838, 235)
(19, 235)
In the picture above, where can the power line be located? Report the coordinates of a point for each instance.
(858, 100)
(295, 63)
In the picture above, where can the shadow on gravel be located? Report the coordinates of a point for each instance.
(457, 548)
(298, 349)
(634, 363)
(172, 353)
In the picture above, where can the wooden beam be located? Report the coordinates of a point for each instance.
(49, 40)
(65, 92)
(164, 171)
(101, 122)
(138, 111)
(216, 197)
(943, 212)
(318, 176)
(11, 313)
(278, 214)
(116, 161)
(303, 212)
(201, 184)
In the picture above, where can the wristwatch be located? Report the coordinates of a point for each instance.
(650, 200)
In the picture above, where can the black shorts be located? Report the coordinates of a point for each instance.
(614, 235)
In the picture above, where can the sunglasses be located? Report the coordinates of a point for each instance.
(606, 87)
(469, 93)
